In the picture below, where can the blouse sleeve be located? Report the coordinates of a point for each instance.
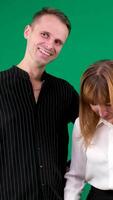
(76, 175)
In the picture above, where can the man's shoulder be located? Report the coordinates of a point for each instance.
(59, 81)
(5, 72)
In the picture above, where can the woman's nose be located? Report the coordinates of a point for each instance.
(103, 111)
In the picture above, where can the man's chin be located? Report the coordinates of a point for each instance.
(47, 62)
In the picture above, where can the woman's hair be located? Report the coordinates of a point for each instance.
(96, 88)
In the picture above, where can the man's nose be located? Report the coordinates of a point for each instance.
(50, 44)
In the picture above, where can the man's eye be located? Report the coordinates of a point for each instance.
(45, 35)
(58, 42)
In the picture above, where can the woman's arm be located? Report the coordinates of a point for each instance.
(76, 175)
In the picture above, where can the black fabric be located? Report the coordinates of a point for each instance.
(34, 136)
(97, 194)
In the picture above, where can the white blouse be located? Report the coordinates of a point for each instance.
(93, 165)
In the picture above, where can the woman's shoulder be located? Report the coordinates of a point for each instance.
(76, 129)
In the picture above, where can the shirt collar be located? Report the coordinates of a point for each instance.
(104, 122)
(20, 72)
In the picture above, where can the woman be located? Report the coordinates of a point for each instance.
(92, 149)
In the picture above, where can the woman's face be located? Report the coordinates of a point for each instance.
(103, 111)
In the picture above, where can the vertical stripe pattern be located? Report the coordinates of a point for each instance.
(34, 136)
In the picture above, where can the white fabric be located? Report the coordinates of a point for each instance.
(94, 164)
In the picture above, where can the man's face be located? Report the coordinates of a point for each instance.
(45, 39)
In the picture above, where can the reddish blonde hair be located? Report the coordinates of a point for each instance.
(96, 88)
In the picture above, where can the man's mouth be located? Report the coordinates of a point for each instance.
(45, 51)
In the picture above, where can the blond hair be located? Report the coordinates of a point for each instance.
(96, 88)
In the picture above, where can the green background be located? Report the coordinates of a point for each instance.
(91, 38)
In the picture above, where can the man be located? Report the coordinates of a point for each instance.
(35, 109)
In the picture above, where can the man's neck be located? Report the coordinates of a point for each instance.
(35, 72)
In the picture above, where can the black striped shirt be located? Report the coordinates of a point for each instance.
(34, 136)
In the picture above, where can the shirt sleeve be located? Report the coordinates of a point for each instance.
(76, 175)
(73, 110)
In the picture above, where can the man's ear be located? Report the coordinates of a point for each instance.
(27, 31)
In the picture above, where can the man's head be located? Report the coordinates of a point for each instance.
(46, 35)
(51, 11)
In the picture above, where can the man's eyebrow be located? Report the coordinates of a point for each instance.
(61, 41)
(45, 31)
